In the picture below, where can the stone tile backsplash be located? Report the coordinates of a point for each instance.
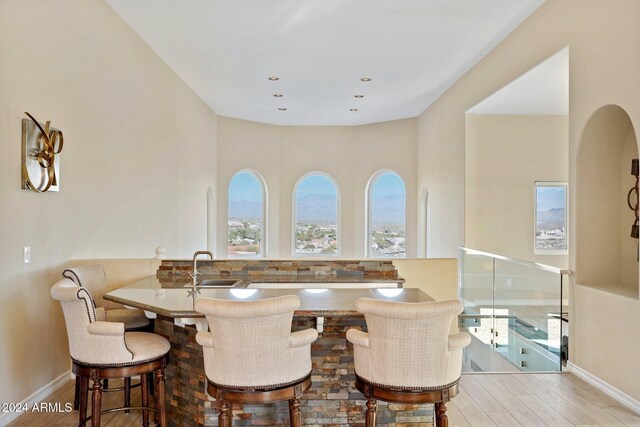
(369, 269)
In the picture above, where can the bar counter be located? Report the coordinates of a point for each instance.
(332, 399)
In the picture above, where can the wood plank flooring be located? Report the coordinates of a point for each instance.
(508, 400)
(534, 400)
(65, 395)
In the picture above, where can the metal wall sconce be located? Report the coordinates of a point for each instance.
(635, 171)
(40, 163)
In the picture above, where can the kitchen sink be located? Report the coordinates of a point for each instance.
(217, 283)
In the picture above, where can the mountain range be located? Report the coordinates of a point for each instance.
(388, 210)
(316, 207)
(552, 218)
(245, 209)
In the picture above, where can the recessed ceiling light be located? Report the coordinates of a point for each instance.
(358, 96)
(353, 109)
(282, 109)
(274, 78)
(277, 95)
(366, 79)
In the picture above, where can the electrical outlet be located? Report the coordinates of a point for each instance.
(27, 254)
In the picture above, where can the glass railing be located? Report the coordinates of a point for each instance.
(516, 312)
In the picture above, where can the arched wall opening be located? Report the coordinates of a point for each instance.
(606, 254)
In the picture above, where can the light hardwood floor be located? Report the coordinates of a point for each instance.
(65, 395)
(508, 400)
(534, 400)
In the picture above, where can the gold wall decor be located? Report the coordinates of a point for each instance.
(40, 161)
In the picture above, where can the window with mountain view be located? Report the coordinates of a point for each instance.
(386, 225)
(316, 205)
(246, 216)
(550, 218)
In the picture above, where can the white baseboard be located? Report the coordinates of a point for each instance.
(36, 397)
(605, 387)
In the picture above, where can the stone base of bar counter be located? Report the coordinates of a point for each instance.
(332, 399)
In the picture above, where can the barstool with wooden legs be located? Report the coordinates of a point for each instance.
(94, 279)
(407, 355)
(103, 350)
(252, 357)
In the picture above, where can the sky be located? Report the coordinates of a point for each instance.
(552, 197)
(245, 187)
(316, 184)
(386, 185)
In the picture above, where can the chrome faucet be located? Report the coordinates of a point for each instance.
(195, 273)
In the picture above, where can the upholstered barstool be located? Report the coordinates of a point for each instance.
(407, 355)
(252, 357)
(93, 278)
(103, 350)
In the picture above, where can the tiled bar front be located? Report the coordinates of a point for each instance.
(332, 399)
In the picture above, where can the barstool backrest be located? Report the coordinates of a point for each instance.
(90, 341)
(250, 342)
(94, 279)
(409, 343)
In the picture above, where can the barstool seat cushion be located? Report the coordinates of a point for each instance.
(146, 346)
(132, 318)
(141, 346)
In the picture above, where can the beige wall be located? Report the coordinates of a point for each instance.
(504, 156)
(139, 155)
(436, 277)
(283, 154)
(604, 54)
(441, 176)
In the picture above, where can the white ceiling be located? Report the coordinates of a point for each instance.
(413, 50)
(543, 90)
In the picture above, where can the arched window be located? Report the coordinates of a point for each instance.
(316, 218)
(386, 206)
(246, 215)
